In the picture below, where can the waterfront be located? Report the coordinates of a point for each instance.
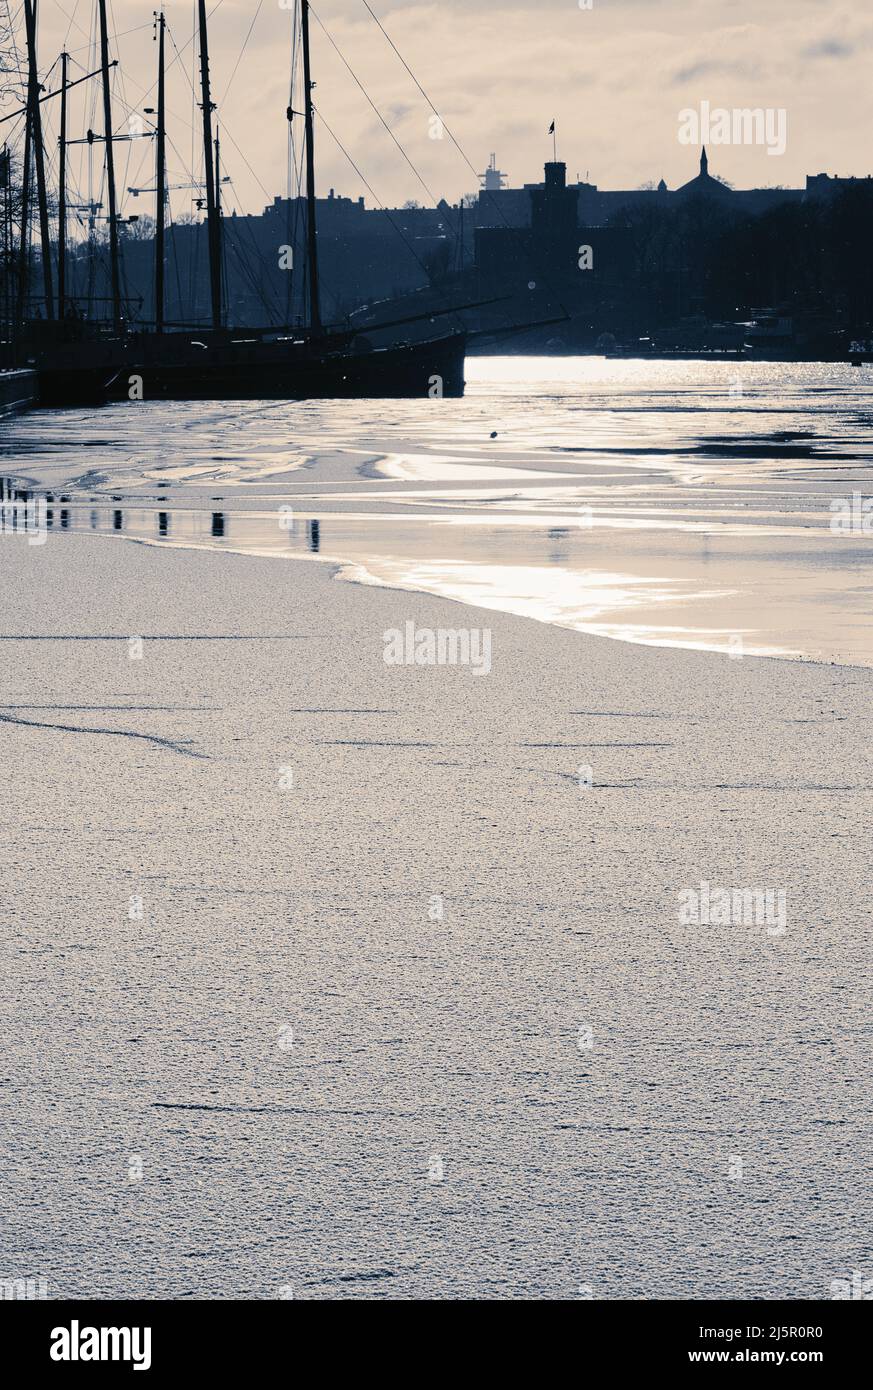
(683, 504)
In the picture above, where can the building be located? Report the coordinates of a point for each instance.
(499, 205)
(365, 254)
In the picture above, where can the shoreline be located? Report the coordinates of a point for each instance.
(575, 599)
(421, 1028)
(354, 572)
(647, 503)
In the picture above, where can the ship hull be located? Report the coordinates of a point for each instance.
(75, 386)
(18, 390)
(223, 368)
(260, 371)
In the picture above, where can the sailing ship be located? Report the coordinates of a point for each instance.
(80, 362)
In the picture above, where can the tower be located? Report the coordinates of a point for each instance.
(492, 179)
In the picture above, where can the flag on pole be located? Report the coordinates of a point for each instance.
(552, 128)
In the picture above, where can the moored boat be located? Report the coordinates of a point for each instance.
(225, 367)
(82, 363)
(18, 389)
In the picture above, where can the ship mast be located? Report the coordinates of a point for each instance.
(218, 212)
(35, 118)
(311, 235)
(160, 184)
(110, 169)
(214, 229)
(62, 194)
(24, 243)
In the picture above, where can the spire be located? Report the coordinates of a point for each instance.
(704, 163)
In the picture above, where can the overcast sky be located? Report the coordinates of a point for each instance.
(614, 78)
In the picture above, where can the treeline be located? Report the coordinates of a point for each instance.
(723, 262)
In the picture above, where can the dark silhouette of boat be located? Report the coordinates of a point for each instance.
(241, 366)
(81, 363)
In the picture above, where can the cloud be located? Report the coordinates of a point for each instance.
(708, 68)
(829, 48)
(613, 77)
